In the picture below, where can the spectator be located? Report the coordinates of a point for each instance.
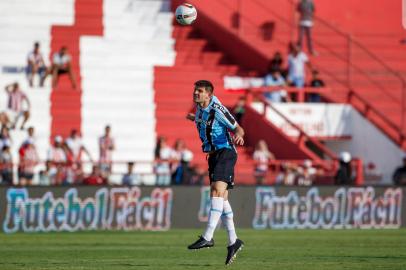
(163, 156)
(30, 135)
(262, 156)
(399, 176)
(16, 99)
(57, 157)
(4, 120)
(287, 175)
(181, 158)
(61, 64)
(46, 177)
(95, 178)
(296, 66)
(75, 146)
(344, 175)
(106, 148)
(316, 82)
(28, 161)
(275, 79)
(276, 63)
(6, 165)
(306, 11)
(239, 109)
(131, 179)
(306, 174)
(36, 64)
(5, 139)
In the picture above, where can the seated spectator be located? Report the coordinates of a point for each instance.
(29, 159)
(106, 148)
(130, 178)
(95, 178)
(261, 156)
(15, 108)
(5, 139)
(4, 120)
(276, 79)
(239, 109)
(297, 60)
(57, 157)
(6, 165)
(399, 176)
(36, 64)
(316, 82)
(163, 158)
(306, 173)
(344, 175)
(61, 64)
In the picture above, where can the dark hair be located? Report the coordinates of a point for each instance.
(206, 84)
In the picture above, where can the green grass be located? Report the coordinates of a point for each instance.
(268, 249)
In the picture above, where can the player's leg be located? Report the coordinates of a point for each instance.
(218, 190)
(228, 221)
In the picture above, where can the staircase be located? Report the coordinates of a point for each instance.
(196, 59)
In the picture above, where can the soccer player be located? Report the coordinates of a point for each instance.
(214, 122)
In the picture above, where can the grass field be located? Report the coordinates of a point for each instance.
(269, 249)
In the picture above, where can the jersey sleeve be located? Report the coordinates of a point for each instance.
(224, 117)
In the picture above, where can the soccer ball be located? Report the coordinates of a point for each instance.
(186, 14)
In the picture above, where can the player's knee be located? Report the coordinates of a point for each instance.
(216, 192)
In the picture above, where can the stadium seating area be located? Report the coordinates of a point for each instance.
(135, 69)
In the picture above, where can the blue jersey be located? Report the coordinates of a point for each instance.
(213, 124)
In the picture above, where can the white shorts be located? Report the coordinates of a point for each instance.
(14, 115)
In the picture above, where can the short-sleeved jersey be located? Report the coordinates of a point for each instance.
(213, 124)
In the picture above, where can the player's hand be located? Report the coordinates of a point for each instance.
(190, 116)
(238, 139)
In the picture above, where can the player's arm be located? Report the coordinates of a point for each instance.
(225, 117)
(190, 116)
(238, 135)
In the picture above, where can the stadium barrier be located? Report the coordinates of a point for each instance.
(45, 209)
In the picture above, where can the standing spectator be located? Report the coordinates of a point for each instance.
(275, 79)
(61, 64)
(262, 156)
(75, 146)
(239, 109)
(16, 98)
(306, 12)
(106, 148)
(181, 157)
(276, 63)
(46, 177)
(131, 179)
(399, 176)
(296, 66)
(344, 175)
(36, 64)
(30, 135)
(306, 173)
(28, 161)
(57, 158)
(6, 165)
(163, 156)
(316, 82)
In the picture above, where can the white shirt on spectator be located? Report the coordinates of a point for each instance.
(56, 154)
(75, 145)
(297, 65)
(61, 60)
(36, 58)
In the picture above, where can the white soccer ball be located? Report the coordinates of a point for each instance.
(186, 14)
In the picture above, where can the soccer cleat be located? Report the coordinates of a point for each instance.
(233, 250)
(201, 243)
